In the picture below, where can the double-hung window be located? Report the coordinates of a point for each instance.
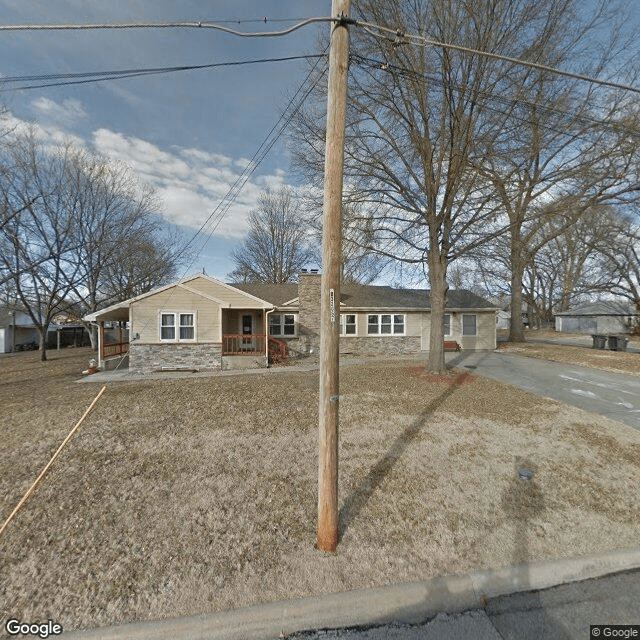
(348, 325)
(177, 326)
(446, 324)
(385, 324)
(282, 324)
(187, 326)
(469, 323)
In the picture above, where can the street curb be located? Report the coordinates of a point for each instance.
(409, 603)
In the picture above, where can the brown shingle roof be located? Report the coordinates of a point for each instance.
(276, 294)
(369, 297)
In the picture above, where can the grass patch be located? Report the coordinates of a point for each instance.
(186, 496)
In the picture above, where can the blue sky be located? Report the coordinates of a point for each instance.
(188, 134)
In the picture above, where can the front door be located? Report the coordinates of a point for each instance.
(247, 330)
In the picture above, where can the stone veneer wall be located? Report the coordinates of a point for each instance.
(144, 358)
(308, 338)
(370, 346)
(389, 346)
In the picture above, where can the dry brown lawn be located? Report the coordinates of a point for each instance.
(186, 496)
(614, 361)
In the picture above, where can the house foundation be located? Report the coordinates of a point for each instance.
(145, 358)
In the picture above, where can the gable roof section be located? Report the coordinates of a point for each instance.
(120, 310)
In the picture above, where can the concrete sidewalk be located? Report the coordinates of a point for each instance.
(452, 607)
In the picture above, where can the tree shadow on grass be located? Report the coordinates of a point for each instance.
(359, 497)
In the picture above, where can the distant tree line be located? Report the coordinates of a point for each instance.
(77, 232)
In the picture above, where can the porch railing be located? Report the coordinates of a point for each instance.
(114, 349)
(277, 351)
(243, 344)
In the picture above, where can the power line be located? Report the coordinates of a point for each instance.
(377, 31)
(163, 25)
(507, 101)
(267, 144)
(424, 41)
(87, 77)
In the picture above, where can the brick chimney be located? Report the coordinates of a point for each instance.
(309, 318)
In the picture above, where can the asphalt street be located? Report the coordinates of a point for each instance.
(565, 612)
(614, 395)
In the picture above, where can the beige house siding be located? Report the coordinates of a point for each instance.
(233, 298)
(412, 323)
(485, 338)
(145, 315)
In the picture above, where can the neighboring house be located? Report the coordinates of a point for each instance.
(604, 317)
(202, 323)
(503, 319)
(17, 330)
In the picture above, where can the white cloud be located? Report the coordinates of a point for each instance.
(192, 183)
(49, 135)
(65, 114)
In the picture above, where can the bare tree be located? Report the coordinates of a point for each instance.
(37, 241)
(360, 265)
(423, 119)
(120, 251)
(277, 246)
(573, 147)
(80, 232)
(620, 259)
(146, 258)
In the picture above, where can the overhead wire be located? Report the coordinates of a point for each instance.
(373, 29)
(87, 77)
(424, 41)
(263, 149)
(189, 24)
(508, 101)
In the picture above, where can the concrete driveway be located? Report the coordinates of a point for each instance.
(614, 395)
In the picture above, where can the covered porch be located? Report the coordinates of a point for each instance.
(245, 334)
(113, 334)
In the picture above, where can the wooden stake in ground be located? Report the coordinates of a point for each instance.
(44, 472)
(330, 286)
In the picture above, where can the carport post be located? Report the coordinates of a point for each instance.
(330, 284)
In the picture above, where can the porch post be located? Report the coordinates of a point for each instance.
(101, 344)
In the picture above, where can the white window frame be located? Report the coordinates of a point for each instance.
(472, 315)
(177, 319)
(344, 324)
(282, 324)
(444, 325)
(186, 326)
(392, 323)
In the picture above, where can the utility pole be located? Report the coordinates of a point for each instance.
(331, 274)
